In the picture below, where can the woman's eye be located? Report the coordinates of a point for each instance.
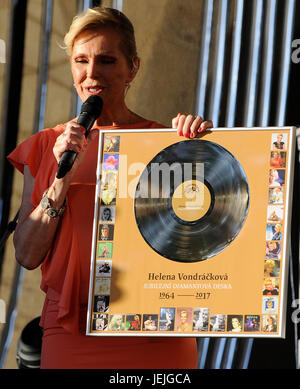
(80, 60)
(107, 60)
(101, 60)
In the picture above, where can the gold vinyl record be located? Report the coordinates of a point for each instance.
(191, 200)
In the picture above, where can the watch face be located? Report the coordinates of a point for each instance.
(52, 212)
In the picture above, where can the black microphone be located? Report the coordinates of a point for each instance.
(90, 111)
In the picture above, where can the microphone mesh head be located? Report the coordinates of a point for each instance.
(93, 106)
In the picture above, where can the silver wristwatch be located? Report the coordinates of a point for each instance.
(48, 209)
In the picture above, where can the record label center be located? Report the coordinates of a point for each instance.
(191, 200)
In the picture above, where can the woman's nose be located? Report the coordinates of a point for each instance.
(92, 69)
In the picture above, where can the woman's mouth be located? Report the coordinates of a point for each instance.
(94, 89)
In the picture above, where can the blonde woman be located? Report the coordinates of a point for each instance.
(273, 178)
(269, 267)
(104, 61)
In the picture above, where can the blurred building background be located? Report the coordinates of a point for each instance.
(234, 61)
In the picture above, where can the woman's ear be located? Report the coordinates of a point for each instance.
(136, 62)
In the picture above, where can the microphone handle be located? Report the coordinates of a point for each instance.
(86, 120)
(67, 159)
(66, 163)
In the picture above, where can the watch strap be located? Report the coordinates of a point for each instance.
(48, 209)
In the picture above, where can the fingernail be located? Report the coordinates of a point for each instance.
(186, 135)
(180, 133)
(192, 135)
(179, 114)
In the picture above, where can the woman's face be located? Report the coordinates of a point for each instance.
(273, 174)
(279, 138)
(272, 245)
(235, 323)
(99, 67)
(183, 317)
(106, 214)
(269, 268)
(277, 228)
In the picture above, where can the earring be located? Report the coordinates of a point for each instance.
(127, 86)
(134, 69)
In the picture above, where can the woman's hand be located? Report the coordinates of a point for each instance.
(34, 222)
(190, 126)
(73, 138)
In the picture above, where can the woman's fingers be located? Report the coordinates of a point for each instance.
(205, 125)
(190, 126)
(73, 137)
(175, 121)
(187, 124)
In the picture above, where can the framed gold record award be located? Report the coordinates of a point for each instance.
(191, 236)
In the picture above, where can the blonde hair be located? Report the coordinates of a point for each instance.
(268, 263)
(99, 17)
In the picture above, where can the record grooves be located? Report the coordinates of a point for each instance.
(191, 200)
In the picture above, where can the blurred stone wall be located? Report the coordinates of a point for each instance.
(168, 36)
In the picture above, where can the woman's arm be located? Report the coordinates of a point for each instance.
(36, 230)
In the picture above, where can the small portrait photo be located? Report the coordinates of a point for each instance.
(270, 304)
(103, 268)
(269, 323)
(133, 322)
(107, 214)
(234, 323)
(101, 303)
(167, 319)
(106, 232)
(271, 268)
(271, 286)
(276, 177)
(108, 196)
(275, 213)
(201, 318)
(117, 322)
(109, 182)
(104, 250)
(278, 159)
(274, 231)
(252, 323)
(150, 322)
(100, 321)
(279, 141)
(184, 319)
(217, 323)
(111, 143)
(276, 195)
(110, 162)
(102, 286)
(273, 250)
